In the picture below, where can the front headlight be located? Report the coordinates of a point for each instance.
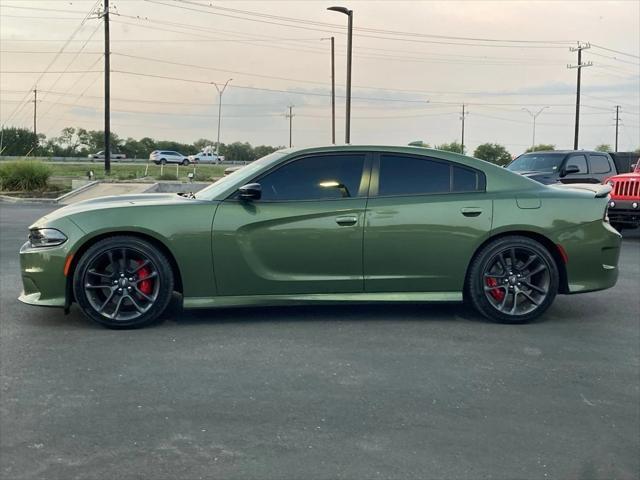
(46, 237)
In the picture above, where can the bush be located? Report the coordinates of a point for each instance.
(24, 176)
(167, 176)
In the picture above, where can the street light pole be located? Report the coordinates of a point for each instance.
(534, 116)
(349, 14)
(333, 91)
(220, 92)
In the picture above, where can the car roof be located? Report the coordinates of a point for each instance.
(566, 151)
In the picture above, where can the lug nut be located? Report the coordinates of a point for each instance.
(121, 275)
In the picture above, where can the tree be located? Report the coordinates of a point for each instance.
(202, 143)
(492, 152)
(18, 141)
(260, 151)
(540, 147)
(604, 148)
(454, 147)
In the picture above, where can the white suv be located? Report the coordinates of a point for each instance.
(162, 157)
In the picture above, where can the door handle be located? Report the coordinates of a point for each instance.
(347, 220)
(471, 211)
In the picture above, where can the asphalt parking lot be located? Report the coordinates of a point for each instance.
(320, 392)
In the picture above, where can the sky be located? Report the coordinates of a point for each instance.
(415, 63)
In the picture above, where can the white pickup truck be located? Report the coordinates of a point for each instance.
(206, 157)
(100, 156)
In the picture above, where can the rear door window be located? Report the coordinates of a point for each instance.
(599, 164)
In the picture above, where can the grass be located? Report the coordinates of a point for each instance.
(132, 172)
(24, 176)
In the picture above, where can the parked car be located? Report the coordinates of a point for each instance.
(162, 157)
(625, 161)
(624, 206)
(206, 157)
(328, 224)
(566, 166)
(100, 156)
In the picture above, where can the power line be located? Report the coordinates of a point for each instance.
(615, 51)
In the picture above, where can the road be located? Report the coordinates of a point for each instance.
(320, 392)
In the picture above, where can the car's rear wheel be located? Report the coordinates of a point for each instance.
(123, 282)
(513, 279)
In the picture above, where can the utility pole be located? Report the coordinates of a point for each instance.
(220, 92)
(464, 114)
(107, 92)
(333, 91)
(579, 67)
(617, 122)
(349, 14)
(290, 116)
(35, 113)
(534, 116)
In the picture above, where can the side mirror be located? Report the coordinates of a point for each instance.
(250, 191)
(570, 169)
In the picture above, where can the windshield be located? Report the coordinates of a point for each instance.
(216, 187)
(537, 162)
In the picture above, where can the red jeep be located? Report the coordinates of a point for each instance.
(624, 207)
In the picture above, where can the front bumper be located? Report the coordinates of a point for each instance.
(43, 279)
(624, 214)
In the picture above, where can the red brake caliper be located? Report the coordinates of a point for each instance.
(496, 293)
(145, 286)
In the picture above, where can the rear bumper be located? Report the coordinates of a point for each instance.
(593, 254)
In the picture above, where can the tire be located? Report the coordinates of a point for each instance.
(495, 286)
(185, 163)
(163, 161)
(112, 273)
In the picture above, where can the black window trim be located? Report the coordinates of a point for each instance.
(375, 176)
(363, 189)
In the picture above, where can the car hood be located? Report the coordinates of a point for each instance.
(118, 201)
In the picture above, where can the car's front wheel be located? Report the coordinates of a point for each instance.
(512, 279)
(123, 282)
(185, 162)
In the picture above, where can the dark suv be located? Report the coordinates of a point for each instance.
(564, 166)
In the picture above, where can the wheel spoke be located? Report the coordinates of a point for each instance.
(512, 255)
(97, 287)
(98, 274)
(124, 259)
(118, 305)
(535, 287)
(112, 262)
(515, 302)
(494, 275)
(502, 263)
(540, 268)
(143, 295)
(138, 267)
(504, 302)
(135, 304)
(529, 261)
(489, 289)
(106, 302)
(151, 275)
(530, 298)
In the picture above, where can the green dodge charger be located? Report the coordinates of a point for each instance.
(328, 224)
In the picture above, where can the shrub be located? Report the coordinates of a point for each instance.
(24, 176)
(167, 176)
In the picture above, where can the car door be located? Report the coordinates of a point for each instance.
(425, 218)
(582, 176)
(304, 235)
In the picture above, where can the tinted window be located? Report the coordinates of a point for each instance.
(402, 175)
(537, 162)
(599, 164)
(314, 178)
(579, 161)
(466, 180)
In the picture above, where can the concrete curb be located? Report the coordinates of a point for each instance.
(9, 199)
